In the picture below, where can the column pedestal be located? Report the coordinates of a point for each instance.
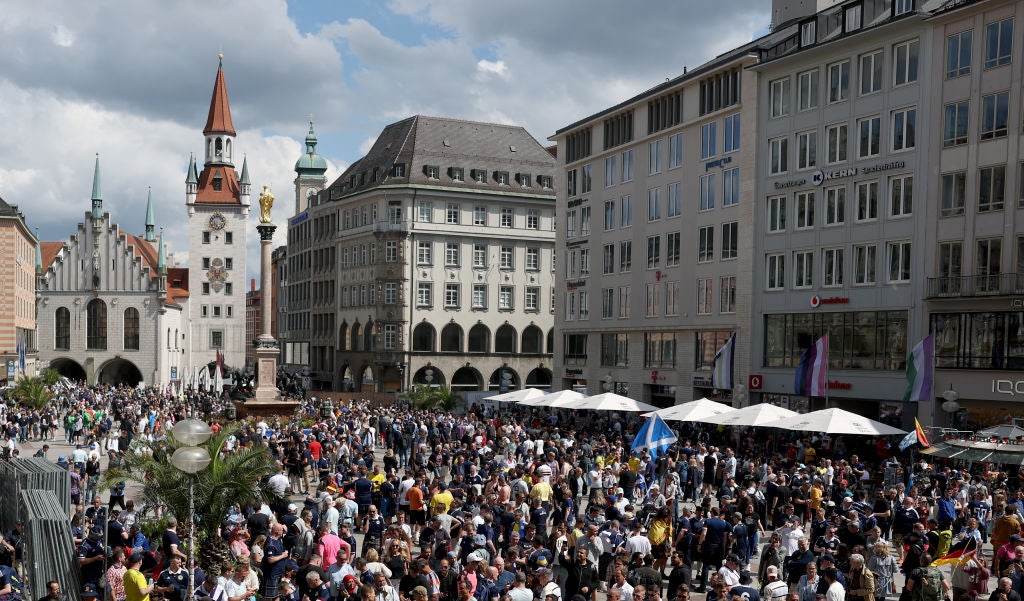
(268, 399)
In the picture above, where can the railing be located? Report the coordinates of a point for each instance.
(401, 226)
(999, 284)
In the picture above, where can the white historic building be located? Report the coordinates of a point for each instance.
(109, 311)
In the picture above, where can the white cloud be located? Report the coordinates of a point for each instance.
(488, 68)
(62, 36)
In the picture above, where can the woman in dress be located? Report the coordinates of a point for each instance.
(883, 565)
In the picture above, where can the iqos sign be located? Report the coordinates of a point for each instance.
(1008, 387)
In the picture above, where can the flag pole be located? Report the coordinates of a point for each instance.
(826, 371)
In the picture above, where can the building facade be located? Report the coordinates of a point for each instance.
(842, 193)
(19, 249)
(429, 261)
(109, 311)
(974, 249)
(217, 200)
(656, 238)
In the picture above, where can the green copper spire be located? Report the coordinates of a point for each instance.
(161, 257)
(39, 256)
(150, 235)
(244, 181)
(97, 196)
(192, 177)
(311, 163)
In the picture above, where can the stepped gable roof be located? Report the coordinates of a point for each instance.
(421, 141)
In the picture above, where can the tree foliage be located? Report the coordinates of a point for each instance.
(237, 477)
(432, 398)
(32, 391)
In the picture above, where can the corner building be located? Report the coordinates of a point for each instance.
(428, 261)
(656, 237)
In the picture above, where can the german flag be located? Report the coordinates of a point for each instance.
(960, 552)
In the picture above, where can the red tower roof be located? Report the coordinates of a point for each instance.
(219, 119)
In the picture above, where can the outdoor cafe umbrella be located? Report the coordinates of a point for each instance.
(218, 381)
(562, 398)
(516, 396)
(609, 401)
(835, 421)
(692, 411)
(195, 378)
(754, 415)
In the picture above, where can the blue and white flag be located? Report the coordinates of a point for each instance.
(654, 435)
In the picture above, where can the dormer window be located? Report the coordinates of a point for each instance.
(376, 173)
(523, 179)
(432, 171)
(458, 174)
(501, 177)
(808, 33)
(218, 182)
(398, 170)
(852, 18)
(545, 181)
(362, 178)
(479, 176)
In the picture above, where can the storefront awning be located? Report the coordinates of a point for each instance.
(1001, 454)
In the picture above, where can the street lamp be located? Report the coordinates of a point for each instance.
(191, 459)
(951, 406)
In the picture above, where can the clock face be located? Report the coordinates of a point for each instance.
(217, 222)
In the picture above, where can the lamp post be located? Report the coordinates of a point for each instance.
(951, 406)
(191, 459)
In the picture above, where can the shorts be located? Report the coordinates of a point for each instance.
(364, 508)
(418, 517)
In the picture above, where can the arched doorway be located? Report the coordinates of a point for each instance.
(451, 338)
(348, 383)
(479, 339)
(367, 383)
(466, 379)
(117, 372)
(424, 338)
(429, 376)
(505, 339)
(504, 379)
(69, 368)
(539, 378)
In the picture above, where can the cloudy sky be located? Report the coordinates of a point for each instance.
(132, 82)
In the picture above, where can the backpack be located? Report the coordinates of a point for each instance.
(929, 585)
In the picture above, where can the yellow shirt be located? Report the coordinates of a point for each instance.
(134, 582)
(377, 480)
(634, 464)
(658, 532)
(815, 495)
(809, 455)
(541, 490)
(441, 502)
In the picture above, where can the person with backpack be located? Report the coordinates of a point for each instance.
(927, 583)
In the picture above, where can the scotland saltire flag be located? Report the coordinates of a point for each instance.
(654, 435)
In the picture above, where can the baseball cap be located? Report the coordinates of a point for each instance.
(419, 590)
(474, 557)
(479, 540)
(292, 507)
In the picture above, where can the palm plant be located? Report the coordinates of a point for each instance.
(432, 398)
(238, 477)
(32, 391)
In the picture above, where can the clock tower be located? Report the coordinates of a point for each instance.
(310, 179)
(217, 200)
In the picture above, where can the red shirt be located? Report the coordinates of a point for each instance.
(315, 448)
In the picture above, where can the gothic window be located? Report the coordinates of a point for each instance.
(96, 329)
(62, 329)
(131, 330)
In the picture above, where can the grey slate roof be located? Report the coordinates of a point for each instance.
(421, 141)
(7, 210)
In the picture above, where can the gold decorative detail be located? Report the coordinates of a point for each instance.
(266, 202)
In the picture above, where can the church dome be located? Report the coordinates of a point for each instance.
(311, 162)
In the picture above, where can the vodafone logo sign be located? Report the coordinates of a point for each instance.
(755, 381)
(815, 301)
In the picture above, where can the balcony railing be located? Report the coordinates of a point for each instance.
(401, 226)
(1000, 284)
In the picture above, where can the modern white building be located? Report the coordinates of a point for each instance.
(429, 261)
(655, 221)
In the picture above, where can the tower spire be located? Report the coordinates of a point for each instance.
(150, 235)
(218, 121)
(97, 196)
(39, 256)
(161, 257)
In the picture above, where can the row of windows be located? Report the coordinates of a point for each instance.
(993, 119)
(987, 263)
(228, 263)
(902, 136)
(871, 67)
(478, 296)
(458, 174)
(856, 340)
(453, 215)
(424, 339)
(660, 349)
(96, 328)
(217, 311)
(865, 204)
(832, 269)
(229, 288)
(660, 299)
(229, 237)
(997, 48)
(481, 259)
(991, 185)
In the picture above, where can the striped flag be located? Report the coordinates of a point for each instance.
(654, 435)
(916, 435)
(21, 354)
(958, 553)
(810, 372)
(721, 376)
(919, 371)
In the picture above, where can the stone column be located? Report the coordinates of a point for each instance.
(266, 347)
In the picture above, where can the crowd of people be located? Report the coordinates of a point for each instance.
(516, 504)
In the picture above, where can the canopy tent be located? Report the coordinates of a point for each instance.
(516, 396)
(835, 421)
(218, 381)
(609, 401)
(1003, 454)
(562, 398)
(692, 411)
(753, 415)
